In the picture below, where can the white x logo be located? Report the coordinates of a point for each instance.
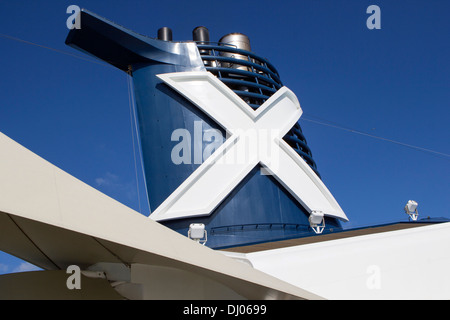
(209, 185)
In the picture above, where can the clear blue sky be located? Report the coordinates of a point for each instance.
(392, 83)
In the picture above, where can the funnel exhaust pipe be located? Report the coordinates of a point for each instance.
(201, 35)
(237, 40)
(165, 34)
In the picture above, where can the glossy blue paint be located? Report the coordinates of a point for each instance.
(161, 111)
(259, 209)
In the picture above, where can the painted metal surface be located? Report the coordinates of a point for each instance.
(406, 264)
(255, 138)
(47, 215)
(53, 220)
(254, 79)
(258, 200)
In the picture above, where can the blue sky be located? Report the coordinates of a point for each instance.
(391, 84)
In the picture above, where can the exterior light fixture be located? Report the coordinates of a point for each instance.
(197, 233)
(411, 209)
(317, 221)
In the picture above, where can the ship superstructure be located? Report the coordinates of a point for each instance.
(257, 208)
(227, 221)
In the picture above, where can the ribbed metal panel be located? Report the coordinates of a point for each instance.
(254, 79)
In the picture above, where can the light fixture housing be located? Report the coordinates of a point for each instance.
(317, 221)
(411, 209)
(197, 232)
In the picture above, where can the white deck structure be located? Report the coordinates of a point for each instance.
(53, 220)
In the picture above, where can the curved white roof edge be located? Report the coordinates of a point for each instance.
(53, 220)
